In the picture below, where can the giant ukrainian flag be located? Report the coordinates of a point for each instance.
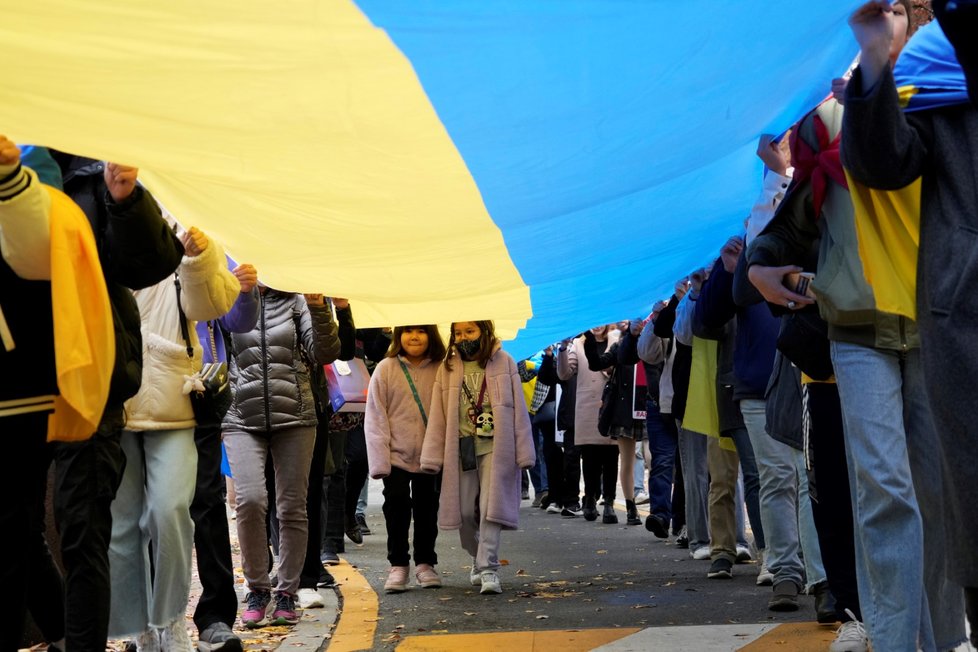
(550, 164)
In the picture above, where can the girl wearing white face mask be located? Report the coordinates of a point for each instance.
(479, 436)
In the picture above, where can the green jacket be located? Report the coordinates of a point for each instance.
(845, 300)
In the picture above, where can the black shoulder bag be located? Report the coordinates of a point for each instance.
(211, 403)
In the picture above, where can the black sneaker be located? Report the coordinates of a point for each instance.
(590, 510)
(325, 578)
(362, 522)
(683, 540)
(657, 526)
(720, 569)
(785, 597)
(572, 511)
(609, 517)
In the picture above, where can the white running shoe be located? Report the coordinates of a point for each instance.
(490, 582)
(309, 599)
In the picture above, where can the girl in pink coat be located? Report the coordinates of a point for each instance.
(398, 403)
(479, 437)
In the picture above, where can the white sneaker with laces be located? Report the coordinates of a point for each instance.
(641, 498)
(553, 508)
(764, 576)
(490, 582)
(175, 637)
(701, 553)
(851, 637)
(309, 599)
(743, 555)
(148, 641)
(475, 577)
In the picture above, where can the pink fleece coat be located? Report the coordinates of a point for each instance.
(512, 448)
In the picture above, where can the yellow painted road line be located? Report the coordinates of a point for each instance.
(797, 637)
(569, 640)
(357, 620)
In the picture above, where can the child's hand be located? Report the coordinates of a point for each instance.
(341, 304)
(872, 25)
(315, 300)
(773, 156)
(9, 152)
(247, 276)
(194, 241)
(839, 89)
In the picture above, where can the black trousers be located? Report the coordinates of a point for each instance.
(410, 496)
(357, 470)
(334, 496)
(600, 464)
(572, 469)
(87, 476)
(831, 500)
(312, 566)
(553, 457)
(218, 600)
(29, 576)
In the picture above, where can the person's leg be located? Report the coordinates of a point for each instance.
(87, 475)
(724, 467)
(807, 536)
(888, 529)
(248, 454)
(591, 470)
(626, 467)
(129, 562)
(487, 557)
(335, 521)
(468, 531)
(778, 497)
(693, 450)
(751, 486)
(24, 483)
(832, 504)
(945, 599)
(397, 515)
(357, 471)
(312, 566)
(218, 601)
(292, 455)
(677, 479)
(171, 472)
(538, 473)
(424, 509)
(572, 469)
(662, 448)
(554, 458)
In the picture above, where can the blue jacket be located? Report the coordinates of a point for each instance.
(757, 332)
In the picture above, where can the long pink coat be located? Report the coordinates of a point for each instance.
(512, 448)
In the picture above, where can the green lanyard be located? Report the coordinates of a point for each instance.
(414, 390)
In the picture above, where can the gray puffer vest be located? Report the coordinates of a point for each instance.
(269, 364)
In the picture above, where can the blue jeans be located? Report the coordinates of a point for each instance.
(785, 507)
(696, 482)
(662, 445)
(892, 451)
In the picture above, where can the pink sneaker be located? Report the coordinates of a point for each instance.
(427, 576)
(256, 615)
(397, 579)
(285, 613)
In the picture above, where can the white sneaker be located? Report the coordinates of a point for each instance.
(851, 637)
(310, 599)
(553, 508)
(743, 555)
(490, 582)
(764, 576)
(148, 641)
(175, 637)
(475, 577)
(701, 553)
(641, 498)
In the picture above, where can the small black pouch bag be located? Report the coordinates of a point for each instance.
(466, 453)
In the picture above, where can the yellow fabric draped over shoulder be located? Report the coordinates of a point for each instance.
(701, 402)
(84, 339)
(888, 230)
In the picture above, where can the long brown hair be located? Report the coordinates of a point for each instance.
(486, 343)
(436, 347)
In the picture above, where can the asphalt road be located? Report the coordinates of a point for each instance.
(563, 574)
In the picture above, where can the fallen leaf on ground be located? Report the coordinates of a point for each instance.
(542, 617)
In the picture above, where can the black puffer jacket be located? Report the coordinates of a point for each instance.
(271, 379)
(137, 249)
